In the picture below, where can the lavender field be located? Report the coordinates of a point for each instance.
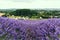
(45, 29)
(29, 19)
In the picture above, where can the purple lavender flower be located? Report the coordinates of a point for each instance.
(11, 29)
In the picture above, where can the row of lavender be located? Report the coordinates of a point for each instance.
(11, 29)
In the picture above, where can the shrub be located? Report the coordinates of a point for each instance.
(11, 29)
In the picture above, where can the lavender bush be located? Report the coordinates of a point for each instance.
(11, 29)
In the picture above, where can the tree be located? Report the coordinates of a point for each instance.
(24, 12)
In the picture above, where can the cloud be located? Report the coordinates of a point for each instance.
(32, 5)
(19, 0)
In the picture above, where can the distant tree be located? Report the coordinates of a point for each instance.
(24, 12)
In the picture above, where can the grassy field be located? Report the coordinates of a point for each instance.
(1, 14)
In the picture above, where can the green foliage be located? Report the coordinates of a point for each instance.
(24, 12)
(33, 13)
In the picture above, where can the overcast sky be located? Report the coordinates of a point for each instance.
(31, 4)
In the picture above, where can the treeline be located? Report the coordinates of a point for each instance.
(34, 13)
(24, 12)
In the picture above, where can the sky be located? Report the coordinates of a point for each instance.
(29, 4)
